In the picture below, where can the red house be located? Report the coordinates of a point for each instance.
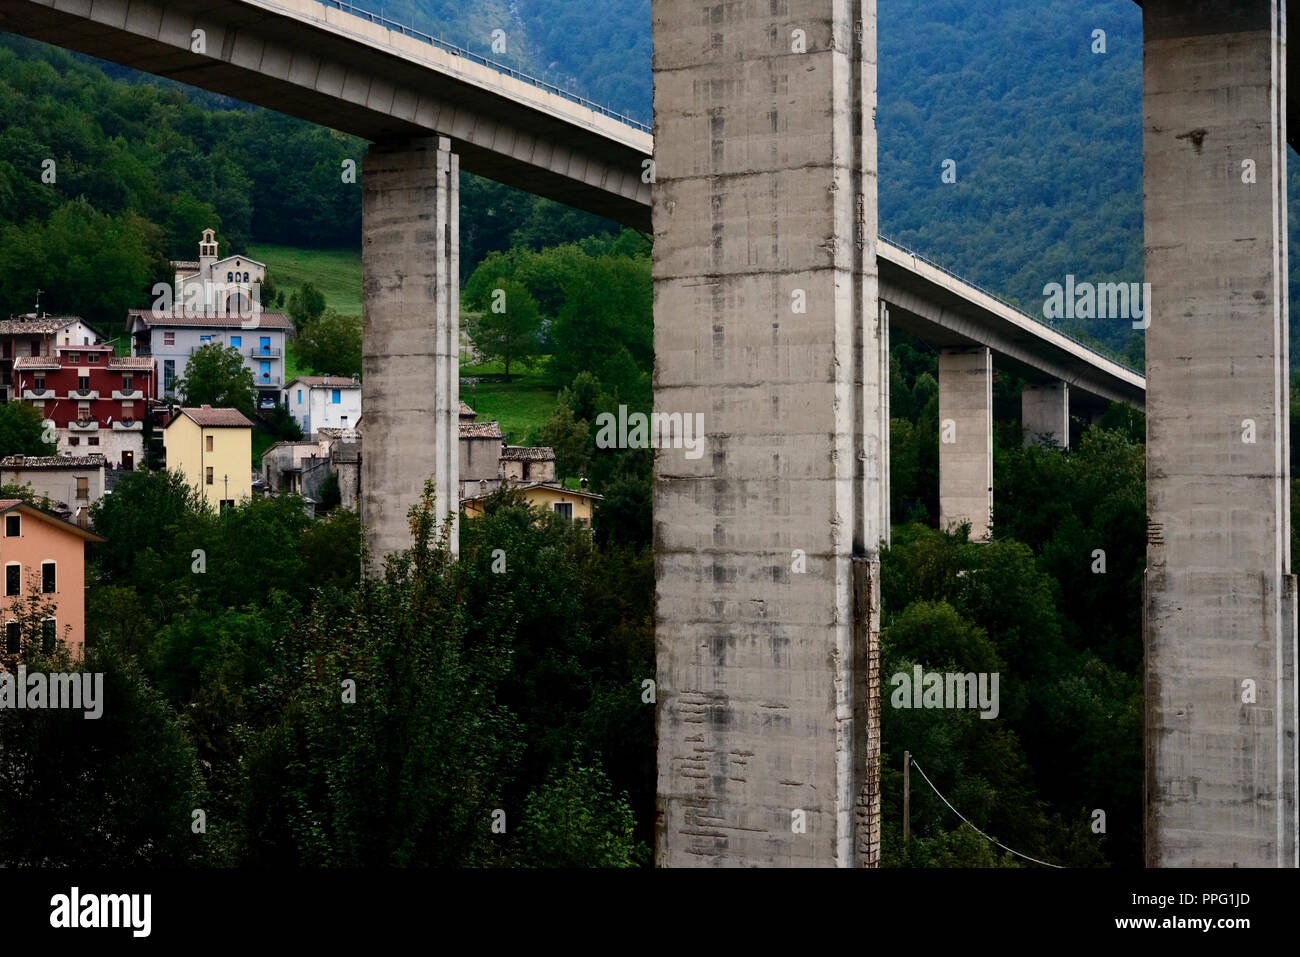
(97, 401)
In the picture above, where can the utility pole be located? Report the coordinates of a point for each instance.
(907, 797)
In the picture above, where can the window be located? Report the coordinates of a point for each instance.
(74, 356)
(49, 634)
(227, 503)
(83, 383)
(336, 396)
(564, 508)
(245, 277)
(236, 341)
(83, 488)
(49, 578)
(209, 443)
(169, 338)
(13, 638)
(264, 368)
(264, 343)
(92, 440)
(300, 396)
(128, 410)
(209, 475)
(230, 277)
(13, 578)
(83, 411)
(92, 357)
(13, 526)
(38, 383)
(169, 375)
(205, 340)
(36, 348)
(128, 383)
(74, 440)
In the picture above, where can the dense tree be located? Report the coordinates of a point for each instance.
(23, 431)
(508, 324)
(306, 305)
(217, 376)
(330, 344)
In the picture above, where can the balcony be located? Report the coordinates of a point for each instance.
(83, 425)
(257, 352)
(128, 396)
(268, 381)
(128, 425)
(83, 394)
(38, 394)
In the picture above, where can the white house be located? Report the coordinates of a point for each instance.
(323, 402)
(216, 284)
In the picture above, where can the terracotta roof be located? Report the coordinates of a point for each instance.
(131, 362)
(480, 430)
(528, 453)
(325, 382)
(214, 320)
(466, 412)
(211, 418)
(37, 362)
(51, 461)
(185, 264)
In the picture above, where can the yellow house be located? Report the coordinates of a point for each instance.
(579, 506)
(213, 448)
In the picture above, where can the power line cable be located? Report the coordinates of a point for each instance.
(974, 828)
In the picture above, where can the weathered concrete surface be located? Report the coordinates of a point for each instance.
(765, 201)
(1220, 757)
(966, 439)
(1045, 413)
(410, 387)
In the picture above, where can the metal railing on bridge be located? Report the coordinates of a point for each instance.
(483, 61)
(1091, 347)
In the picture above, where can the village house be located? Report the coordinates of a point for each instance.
(225, 285)
(323, 402)
(33, 335)
(97, 401)
(45, 556)
(579, 506)
(212, 448)
(72, 483)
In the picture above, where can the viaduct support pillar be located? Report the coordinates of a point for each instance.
(1219, 617)
(410, 387)
(1045, 413)
(767, 325)
(966, 439)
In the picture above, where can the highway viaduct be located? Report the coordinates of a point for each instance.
(760, 187)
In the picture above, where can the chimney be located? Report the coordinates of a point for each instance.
(482, 486)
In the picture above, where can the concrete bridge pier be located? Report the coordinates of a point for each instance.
(1045, 412)
(966, 439)
(767, 323)
(1219, 614)
(410, 388)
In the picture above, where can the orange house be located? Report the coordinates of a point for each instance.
(41, 553)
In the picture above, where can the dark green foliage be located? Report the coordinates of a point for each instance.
(22, 431)
(217, 376)
(330, 344)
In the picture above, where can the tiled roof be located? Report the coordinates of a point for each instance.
(466, 412)
(51, 461)
(32, 326)
(325, 382)
(213, 320)
(528, 453)
(211, 418)
(143, 363)
(554, 486)
(480, 430)
(185, 264)
(37, 362)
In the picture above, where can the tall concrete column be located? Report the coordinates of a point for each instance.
(1219, 610)
(410, 390)
(1045, 413)
(767, 324)
(966, 439)
(882, 336)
